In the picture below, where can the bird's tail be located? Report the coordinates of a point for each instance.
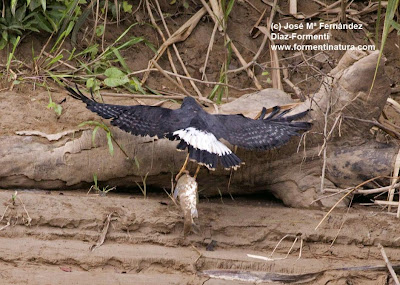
(77, 94)
(288, 120)
(282, 118)
(292, 117)
(211, 160)
(300, 126)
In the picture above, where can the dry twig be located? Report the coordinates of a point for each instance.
(103, 234)
(154, 23)
(180, 35)
(394, 180)
(177, 52)
(27, 214)
(344, 196)
(297, 236)
(250, 73)
(388, 264)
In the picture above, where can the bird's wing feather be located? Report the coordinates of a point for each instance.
(137, 120)
(141, 120)
(260, 134)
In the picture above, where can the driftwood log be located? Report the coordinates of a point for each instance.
(292, 173)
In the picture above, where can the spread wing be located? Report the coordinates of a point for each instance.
(137, 120)
(268, 133)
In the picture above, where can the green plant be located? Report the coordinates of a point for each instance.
(21, 16)
(105, 128)
(11, 55)
(103, 63)
(56, 107)
(110, 140)
(93, 84)
(184, 3)
(14, 197)
(219, 90)
(143, 187)
(268, 78)
(227, 9)
(391, 9)
(115, 7)
(115, 77)
(63, 19)
(103, 191)
(12, 24)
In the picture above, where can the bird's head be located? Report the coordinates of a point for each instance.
(189, 103)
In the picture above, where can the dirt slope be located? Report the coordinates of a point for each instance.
(144, 243)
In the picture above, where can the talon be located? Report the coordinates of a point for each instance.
(183, 169)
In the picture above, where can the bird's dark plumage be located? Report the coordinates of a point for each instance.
(199, 131)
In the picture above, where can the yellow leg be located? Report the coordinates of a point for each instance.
(183, 168)
(197, 171)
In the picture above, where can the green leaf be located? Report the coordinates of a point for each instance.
(100, 30)
(52, 22)
(131, 42)
(115, 82)
(126, 7)
(20, 14)
(13, 6)
(124, 33)
(121, 59)
(3, 43)
(56, 77)
(34, 4)
(138, 86)
(90, 83)
(114, 72)
(391, 9)
(94, 135)
(54, 60)
(137, 162)
(4, 35)
(185, 4)
(155, 92)
(33, 29)
(79, 22)
(110, 145)
(92, 50)
(57, 108)
(15, 42)
(151, 46)
(104, 127)
(95, 179)
(172, 2)
(396, 26)
(115, 77)
(71, 55)
(213, 92)
(63, 35)
(229, 8)
(94, 123)
(43, 4)
(42, 23)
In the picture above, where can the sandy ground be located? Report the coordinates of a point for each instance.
(144, 243)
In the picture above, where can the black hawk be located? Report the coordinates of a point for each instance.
(199, 131)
